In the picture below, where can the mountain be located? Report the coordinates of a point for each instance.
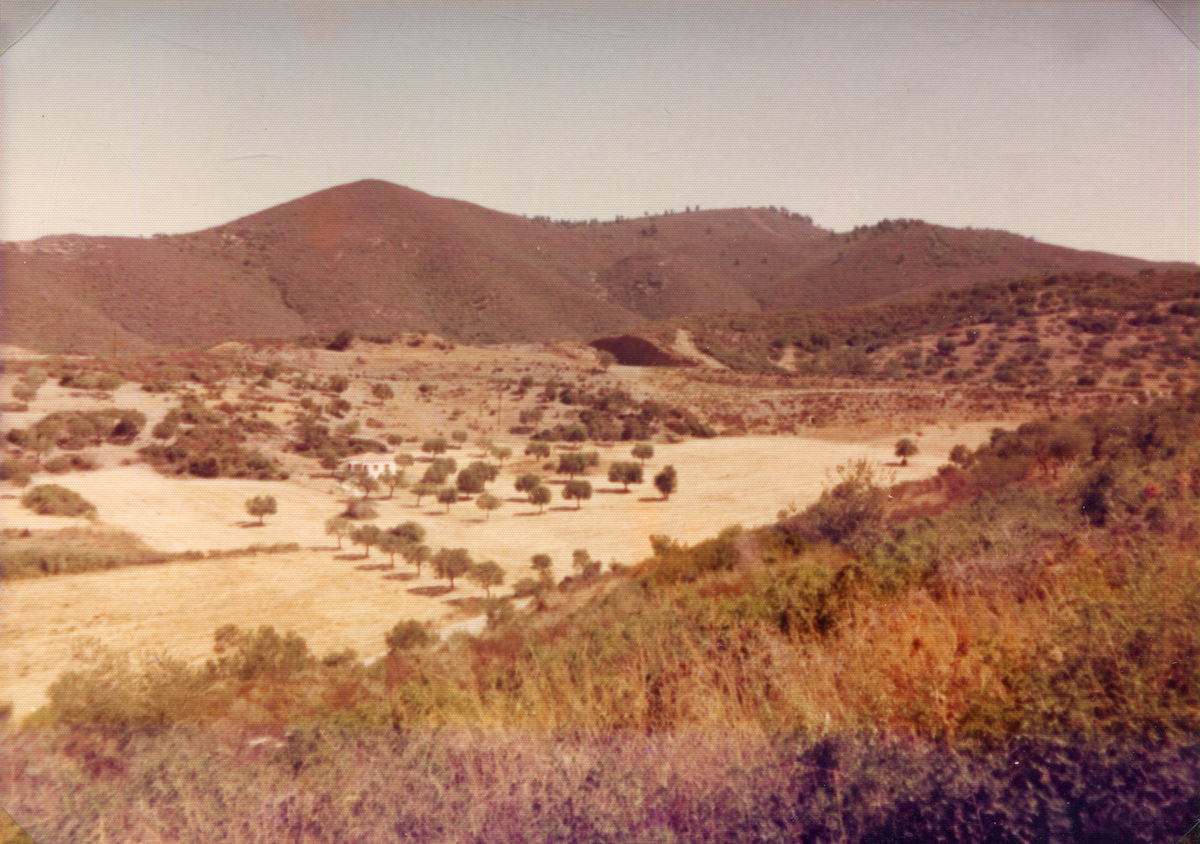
(378, 257)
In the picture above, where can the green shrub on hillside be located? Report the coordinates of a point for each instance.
(55, 500)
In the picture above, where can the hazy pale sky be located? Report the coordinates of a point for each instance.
(1077, 123)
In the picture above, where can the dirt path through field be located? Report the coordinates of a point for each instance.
(335, 599)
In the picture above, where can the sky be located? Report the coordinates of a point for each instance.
(1076, 123)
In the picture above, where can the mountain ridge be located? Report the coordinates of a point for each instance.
(378, 257)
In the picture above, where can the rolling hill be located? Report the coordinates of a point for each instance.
(377, 257)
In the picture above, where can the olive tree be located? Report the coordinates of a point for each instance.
(435, 445)
(905, 449)
(571, 464)
(407, 635)
(338, 526)
(422, 489)
(540, 495)
(579, 490)
(626, 473)
(527, 482)
(392, 480)
(366, 536)
(487, 575)
(666, 481)
(450, 563)
(447, 495)
(643, 452)
(487, 503)
(261, 505)
(538, 449)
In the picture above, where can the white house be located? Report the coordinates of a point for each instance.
(368, 465)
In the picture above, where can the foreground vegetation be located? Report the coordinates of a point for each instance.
(1005, 652)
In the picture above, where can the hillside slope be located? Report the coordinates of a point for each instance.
(378, 257)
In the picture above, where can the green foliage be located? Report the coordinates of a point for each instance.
(488, 502)
(487, 575)
(435, 445)
(447, 495)
(408, 635)
(261, 505)
(666, 481)
(206, 446)
(338, 526)
(571, 463)
(538, 449)
(579, 490)
(906, 448)
(623, 472)
(55, 500)
(527, 482)
(450, 563)
(850, 513)
(541, 496)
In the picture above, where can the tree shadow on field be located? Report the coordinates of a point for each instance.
(531, 513)
(561, 509)
(349, 557)
(614, 490)
(430, 591)
(323, 548)
(401, 575)
(517, 500)
(249, 524)
(658, 498)
(373, 567)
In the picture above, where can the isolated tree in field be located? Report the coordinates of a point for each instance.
(450, 563)
(626, 473)
(579, 490)
(435, 445)
(422, 489)
(392, 480)
(407, 635)
(666, 481)
(960, 455)
(501, 453)
(643, 452)
(905, 449)
(391, 545)
(459, 437)
(338, 526)
(571, 464)
(541, 562)
(366, 536)
(447, 495)
(487, 575)
(261, 505)
(487, 503)
(540, 495)
(538, 449)
(382, 391)
(527, 482)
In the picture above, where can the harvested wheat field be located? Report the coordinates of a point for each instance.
(336, 598)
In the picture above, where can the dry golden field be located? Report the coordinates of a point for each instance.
(336, 598)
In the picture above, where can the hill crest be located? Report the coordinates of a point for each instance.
(382, 258)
